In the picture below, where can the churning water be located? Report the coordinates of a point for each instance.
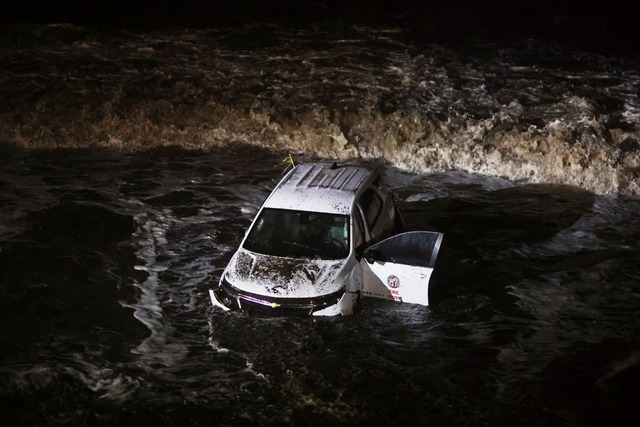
(526, 111)
(133, 162)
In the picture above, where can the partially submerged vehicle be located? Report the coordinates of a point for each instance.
(326, 236)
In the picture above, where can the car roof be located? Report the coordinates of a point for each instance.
(320, 187)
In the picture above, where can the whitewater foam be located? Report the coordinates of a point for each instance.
(508, 111)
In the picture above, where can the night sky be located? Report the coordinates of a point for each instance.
(605, 26)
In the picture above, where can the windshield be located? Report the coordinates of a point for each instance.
(299, 234)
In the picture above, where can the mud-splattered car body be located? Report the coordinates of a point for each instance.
(324, 237)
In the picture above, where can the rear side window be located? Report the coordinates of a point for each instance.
(371, 206)
(358, 230)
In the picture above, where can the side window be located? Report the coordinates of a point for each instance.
(371, 205)
(358, 230)
(378, 183)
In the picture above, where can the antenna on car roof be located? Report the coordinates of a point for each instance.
(334, 166)
(289, 161)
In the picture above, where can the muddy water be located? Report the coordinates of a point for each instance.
(526, 110)
(132, 162)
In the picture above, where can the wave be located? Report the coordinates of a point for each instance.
(356, 93)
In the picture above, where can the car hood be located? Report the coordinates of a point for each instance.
(284, 277)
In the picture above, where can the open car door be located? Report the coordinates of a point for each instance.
(399, 268)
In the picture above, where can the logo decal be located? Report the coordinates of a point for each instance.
(393, 281)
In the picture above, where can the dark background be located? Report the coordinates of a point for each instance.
(606, 26)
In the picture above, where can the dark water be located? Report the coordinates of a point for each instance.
(106, 259)
(131, 162)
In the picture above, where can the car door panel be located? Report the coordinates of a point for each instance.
(399, 268)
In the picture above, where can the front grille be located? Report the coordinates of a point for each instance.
(261, 304)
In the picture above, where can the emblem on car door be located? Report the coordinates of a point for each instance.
(393, 281)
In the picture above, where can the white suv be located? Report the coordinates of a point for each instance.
(327, 235)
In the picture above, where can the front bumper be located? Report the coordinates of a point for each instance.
(227, 297)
